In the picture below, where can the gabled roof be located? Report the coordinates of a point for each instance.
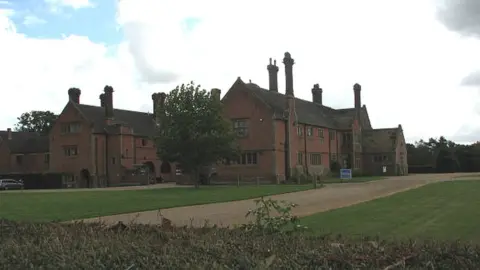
(25, 142)
(380, 140)
(142, 123)
(308, 112)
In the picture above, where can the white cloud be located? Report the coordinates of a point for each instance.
(30, 20)
(57, 5)
(36, 73)
(410, 69)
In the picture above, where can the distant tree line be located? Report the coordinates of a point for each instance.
(443, 156)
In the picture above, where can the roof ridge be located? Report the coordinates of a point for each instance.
(114, 109)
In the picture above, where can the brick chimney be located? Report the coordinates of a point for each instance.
(102, 100)
(108, 91)
(74, 95)
(317, 94)
(357, 88)
(9, 133)
(272, 76)
(158, 102)
(216, 93)
(289, 62)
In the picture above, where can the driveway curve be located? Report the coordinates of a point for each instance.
(309, 202)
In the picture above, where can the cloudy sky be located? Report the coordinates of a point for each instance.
(418, 61)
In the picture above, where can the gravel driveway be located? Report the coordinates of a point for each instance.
(309, 202)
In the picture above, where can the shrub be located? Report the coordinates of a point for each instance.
(96, 246)
(271, 216)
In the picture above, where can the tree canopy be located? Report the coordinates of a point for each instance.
(192, 131)
(36, 121)
(443, 155)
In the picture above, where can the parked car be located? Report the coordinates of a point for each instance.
(6, 184)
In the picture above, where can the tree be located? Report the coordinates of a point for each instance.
(191, 130)
(36, 121)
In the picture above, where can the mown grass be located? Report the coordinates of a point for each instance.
(443, 211)
(62, 206)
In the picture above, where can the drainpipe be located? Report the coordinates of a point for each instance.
(107, 174)
(287, 147)
(305, 146)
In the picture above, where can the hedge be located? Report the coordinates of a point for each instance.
(97, 246)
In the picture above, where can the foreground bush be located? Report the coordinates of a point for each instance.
(95, 246)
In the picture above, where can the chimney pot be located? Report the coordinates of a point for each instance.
(216, 93)
(288, 62)
(108, 91)
(317, 94)
(74, 94)
(102, 100)
(358, 99)
(272, 76)
(9, 133)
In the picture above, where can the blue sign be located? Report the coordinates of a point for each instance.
(345, 174)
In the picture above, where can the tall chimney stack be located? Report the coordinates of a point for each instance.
(273, 76)
(289, 62)
(317, 94)
(357, 88)
(108, 90)
(216, 93)
(102, 100)
(74, 95)
(9, 133)
(158, 103)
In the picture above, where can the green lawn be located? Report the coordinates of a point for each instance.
(60, 206)
(358, 179)
(443, 211)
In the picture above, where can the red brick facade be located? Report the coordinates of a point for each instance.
(23, 152)
(95, 149)
(318, 135)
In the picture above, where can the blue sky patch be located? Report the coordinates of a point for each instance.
(36, 19)
(190, 23)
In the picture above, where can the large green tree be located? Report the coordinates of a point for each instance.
(36, 121)
(192, 130)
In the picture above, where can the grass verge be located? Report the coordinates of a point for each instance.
(446, 211)
(62, 206)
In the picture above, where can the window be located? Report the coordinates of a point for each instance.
(309, 131)
(315, 159)
(19, 159)
(331, 134)
(320, 132)
(299, 130)
(347, 137)
(240, 127)
(249, 158)
(71, 128)
(46, 158)
(144, 142)
(71, 150)
(379, 158)
(299, 158)
(333, 157)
